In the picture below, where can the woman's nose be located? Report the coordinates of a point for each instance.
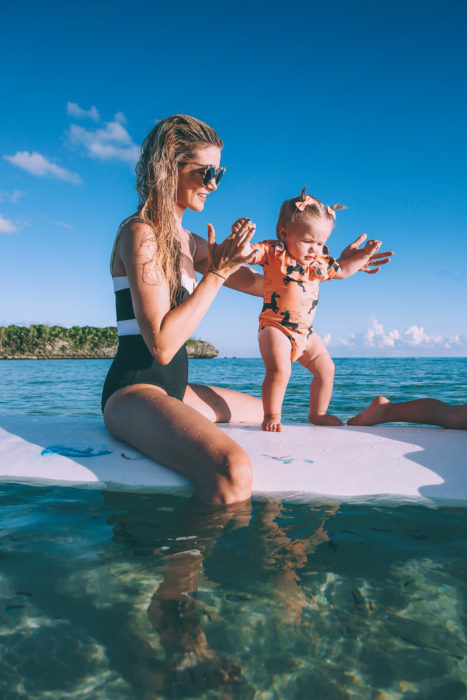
(212, 184)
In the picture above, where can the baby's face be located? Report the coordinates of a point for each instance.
(305, 240)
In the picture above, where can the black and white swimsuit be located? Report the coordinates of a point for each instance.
(133, 363)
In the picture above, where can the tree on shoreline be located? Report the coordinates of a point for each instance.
(40, 341)
(46, 341)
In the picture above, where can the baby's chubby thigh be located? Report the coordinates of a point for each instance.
(276, 348)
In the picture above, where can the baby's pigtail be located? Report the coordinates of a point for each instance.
(331, 210)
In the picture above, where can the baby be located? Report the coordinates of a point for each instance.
(294, 266)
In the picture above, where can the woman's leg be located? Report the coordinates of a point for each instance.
(316, 360)
(275, 350)
(430, 411)
(221, 405)
(175, 612)
(176, 435)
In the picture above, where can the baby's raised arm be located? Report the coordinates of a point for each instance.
(360, 258)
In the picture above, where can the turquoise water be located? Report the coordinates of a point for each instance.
(73, 387)
(112, 595)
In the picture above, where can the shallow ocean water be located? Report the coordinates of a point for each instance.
(114, 595)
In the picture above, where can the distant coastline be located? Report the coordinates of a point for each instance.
(41, 342)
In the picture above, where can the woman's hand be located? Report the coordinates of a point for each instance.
(374, 263)
(228, 256)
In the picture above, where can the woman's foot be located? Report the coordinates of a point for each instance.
(272, 423)
(371, 415)
(324, 419)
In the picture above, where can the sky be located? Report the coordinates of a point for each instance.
(364, 102)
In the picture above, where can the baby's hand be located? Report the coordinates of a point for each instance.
(358, 258)
(371, 247)
(244, 226)
(243, 221)
(353, 253)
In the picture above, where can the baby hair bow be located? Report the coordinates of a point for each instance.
(305, 200)
(331, 212)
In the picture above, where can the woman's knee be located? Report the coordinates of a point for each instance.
(232, 477)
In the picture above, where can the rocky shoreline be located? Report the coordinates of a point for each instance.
(77, 343)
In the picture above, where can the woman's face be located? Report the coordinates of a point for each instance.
(191, 192)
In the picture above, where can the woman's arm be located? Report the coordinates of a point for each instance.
(245, 279)
(165, 330)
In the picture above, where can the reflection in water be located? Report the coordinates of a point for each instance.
(152, 596)
(175, 610)
(183, 537)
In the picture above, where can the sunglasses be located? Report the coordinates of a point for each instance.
(209, 172)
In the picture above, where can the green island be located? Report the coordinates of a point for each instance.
(42, 342)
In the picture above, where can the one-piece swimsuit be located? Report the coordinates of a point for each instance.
(291, 291)
(134, 363)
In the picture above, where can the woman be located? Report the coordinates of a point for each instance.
(146, 399)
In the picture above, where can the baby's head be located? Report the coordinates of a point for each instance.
(304, 225)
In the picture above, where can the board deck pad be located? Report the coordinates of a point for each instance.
(384, 463)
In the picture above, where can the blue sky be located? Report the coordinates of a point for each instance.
(364, 102)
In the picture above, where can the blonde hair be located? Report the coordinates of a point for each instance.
(165, 149)
(304, 207)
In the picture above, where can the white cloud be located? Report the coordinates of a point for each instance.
(7, 226)
(63, 224)
(37, 164)
(74, 110)
(12, 197)
(415, 335)
(375, 336)
(394, 343)
(110, 142)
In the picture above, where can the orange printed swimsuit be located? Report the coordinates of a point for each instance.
(291, 291)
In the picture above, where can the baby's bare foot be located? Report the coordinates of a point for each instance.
(272, 422)
(371, 415)
(324, 419)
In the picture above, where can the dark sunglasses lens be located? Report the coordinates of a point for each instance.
(208, 175)
(220, 175)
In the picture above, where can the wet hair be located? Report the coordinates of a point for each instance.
(304, 207)
(171, 143)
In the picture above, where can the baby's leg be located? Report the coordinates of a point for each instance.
(316, 359)
(275, 350)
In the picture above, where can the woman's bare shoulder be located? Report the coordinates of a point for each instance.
(135, 225)
(134, 232)
(134, 243)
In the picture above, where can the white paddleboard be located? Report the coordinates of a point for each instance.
(348, 463)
